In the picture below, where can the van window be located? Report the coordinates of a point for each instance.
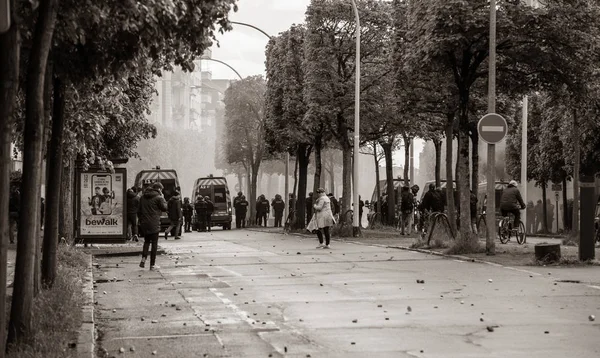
(204, 192)
(220, 196)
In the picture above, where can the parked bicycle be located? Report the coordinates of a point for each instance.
(433, 220)
(506, 230)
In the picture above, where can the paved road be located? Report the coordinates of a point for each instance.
(253, 294)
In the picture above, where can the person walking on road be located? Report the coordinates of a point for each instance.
(133, 205)
(175, 216)
(152, 205)
(188, 212)
(278, 207)
(406, 209)
(262, 210)
(241, 209)
(323, 217)
(200, 207)
(210, 208)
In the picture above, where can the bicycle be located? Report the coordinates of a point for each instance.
(505, 230)
(433, 218)
(373, 219)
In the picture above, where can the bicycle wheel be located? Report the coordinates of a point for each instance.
(504, 231)
(520, 234)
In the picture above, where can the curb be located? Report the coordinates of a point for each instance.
(86, 337)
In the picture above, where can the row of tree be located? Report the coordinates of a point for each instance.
(424, 74)
(76, 82)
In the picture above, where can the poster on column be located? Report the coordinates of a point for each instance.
(101, 204)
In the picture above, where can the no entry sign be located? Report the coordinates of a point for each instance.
(492, 128)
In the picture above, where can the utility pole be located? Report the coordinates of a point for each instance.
(355, 221)
(490, 245)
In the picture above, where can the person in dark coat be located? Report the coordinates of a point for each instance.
(292, 202)
(210, 208)
(473, 207)
(241, 209)
(406, 208)
(262, 210)
(14, 207)
(335, 204)
(433, 202)
(133, 205)
(361, 206)
(512, 202)
(201, 209)
(237, 198)
(530, 212)
(175, 215)
(278, 207)
(188, 212)
(152, 205)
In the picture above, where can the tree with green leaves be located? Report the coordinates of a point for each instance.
(330, 68)
(244, 141)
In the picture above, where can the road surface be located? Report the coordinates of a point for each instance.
(254, 294)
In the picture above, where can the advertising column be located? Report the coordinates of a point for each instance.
(101, 206)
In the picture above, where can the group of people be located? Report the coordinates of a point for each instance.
(263, 209)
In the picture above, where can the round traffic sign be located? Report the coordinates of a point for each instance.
(492, 128)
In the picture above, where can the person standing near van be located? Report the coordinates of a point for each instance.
(241, 209)
(152, 205)
(175, 215)
(210, 208)
(133, 205)
(278, 207)
(200, 207)
(188, 212)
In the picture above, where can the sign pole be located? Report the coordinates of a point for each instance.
(524, 157)
(490, 245)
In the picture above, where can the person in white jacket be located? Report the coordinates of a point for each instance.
(324, 217)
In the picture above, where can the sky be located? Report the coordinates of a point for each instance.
(244, 48)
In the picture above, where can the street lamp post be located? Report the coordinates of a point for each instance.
(355, 221)
(287, 154)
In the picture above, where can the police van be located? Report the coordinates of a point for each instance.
(168, 178)
(217, 190)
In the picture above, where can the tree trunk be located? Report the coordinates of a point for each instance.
(346, 178)
(566, 216)
(253, 194)
(437, 143)
(318, 165)
(449, 177)
(389, 181)
(29, 216)
(9, 84)
(66, 222)
(475, 160)
(48, 84)
(302, 156)
(406, 160)
(457, 175)
(463, 185)
(576, 162)
(377, 179)
(544, 209)
(295, 179)
(55, 169)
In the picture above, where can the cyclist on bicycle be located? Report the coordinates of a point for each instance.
(512, 202)
(433, 201)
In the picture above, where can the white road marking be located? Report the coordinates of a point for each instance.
(521, 270)
(162, 337)
(593, 286)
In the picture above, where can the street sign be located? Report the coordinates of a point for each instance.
(492, 128)
(4, 16)
(556, 187)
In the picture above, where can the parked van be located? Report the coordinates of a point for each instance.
(217, 190)
(168, 178)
